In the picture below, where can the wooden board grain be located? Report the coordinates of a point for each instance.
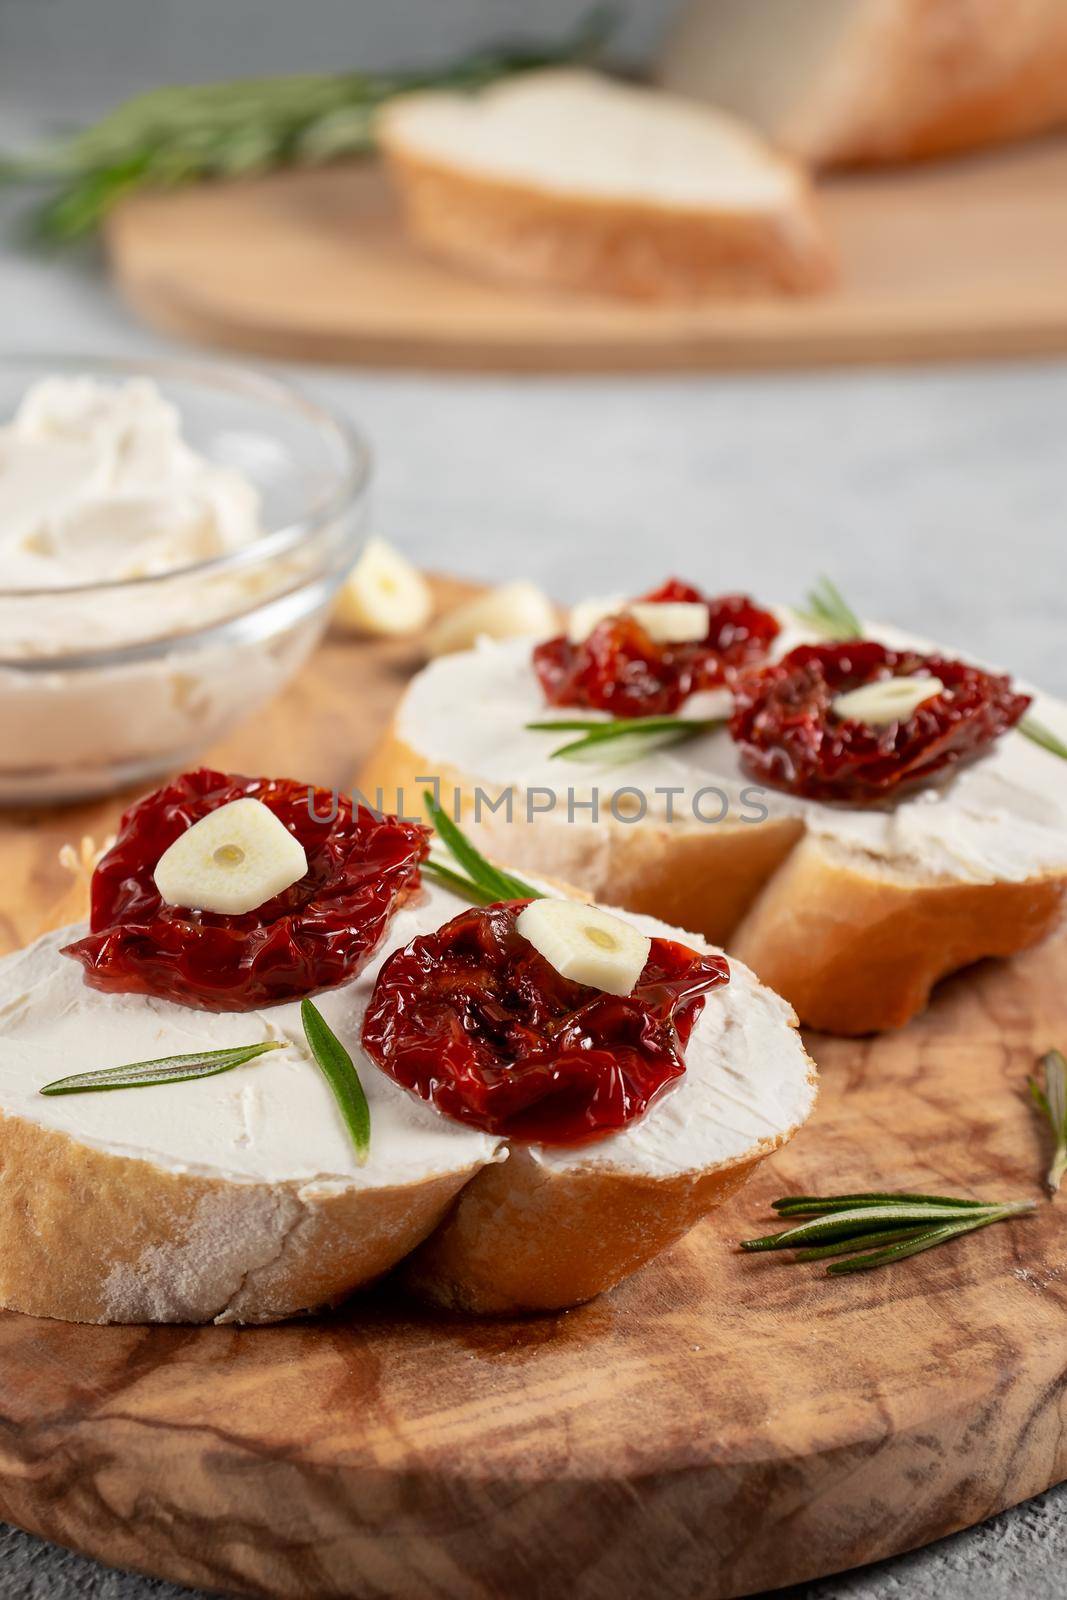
(956, 259)
(719, 1425)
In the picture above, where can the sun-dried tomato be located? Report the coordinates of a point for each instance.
(476, 1021)
(620, 669)
(314, 935)
(790, 736)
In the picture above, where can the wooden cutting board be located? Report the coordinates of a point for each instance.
(957, 259)
(718, 1425)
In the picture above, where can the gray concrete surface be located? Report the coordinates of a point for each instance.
(935, 497)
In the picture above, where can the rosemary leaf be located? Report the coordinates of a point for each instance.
(456, 883)
(488, 880)
(627, 737)
(165, 1069)
(810, 1205)
(1041, 735)
(569, 725)
(927, 1240)
(340, 1073)
(1051, 1101)
(828, 612)
(631, 746)
(859, 1241)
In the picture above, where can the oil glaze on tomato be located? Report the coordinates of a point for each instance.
(790, 737)
(472, 1018)
(620, 669)
(314, 935)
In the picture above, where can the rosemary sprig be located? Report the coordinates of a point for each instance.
(173, 135)
(626, 737)
(483, 884)
(165, 1069)
(1051, 1101)
(875, 1229)
(828, 612)
(340, 1073)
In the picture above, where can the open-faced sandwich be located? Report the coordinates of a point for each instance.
(292, 1049)
(852, 813)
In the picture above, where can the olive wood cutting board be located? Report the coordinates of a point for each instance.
(955, 259)
(718, 1425)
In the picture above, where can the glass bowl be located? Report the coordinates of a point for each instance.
(103, 685)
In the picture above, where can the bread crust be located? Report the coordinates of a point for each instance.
(624, 248)
(953, 75)
(857, 950)
(524, 1236)
(853, 947)
(88, 1236)
(913, 79)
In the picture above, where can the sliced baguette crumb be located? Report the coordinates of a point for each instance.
(544, 180)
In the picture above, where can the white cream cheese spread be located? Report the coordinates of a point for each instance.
(1002, 817)
(274, 1119)
(97, 485)
(104, 686)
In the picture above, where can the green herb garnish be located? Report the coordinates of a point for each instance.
(1037, 733)
(828, 612)
(340, 1073)
(626, 738)
(1051, 1101)
(874, 1230)
(175, 135)
(484, 884)
(167, 1069)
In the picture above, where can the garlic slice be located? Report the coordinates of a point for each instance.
(231, 861)
(886, 700)
(672, 621)
(384, 594)
(586, 944)
(503, 613)
(585, 616)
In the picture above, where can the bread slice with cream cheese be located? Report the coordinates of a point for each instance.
(237, 1198)
(851, 912)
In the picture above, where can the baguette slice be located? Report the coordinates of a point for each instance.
(569, 180)
(237, 1198)
(851, 913)
(840, 82)
(552, 1227)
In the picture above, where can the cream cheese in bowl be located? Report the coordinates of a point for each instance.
(170, 540)
(97, 485)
